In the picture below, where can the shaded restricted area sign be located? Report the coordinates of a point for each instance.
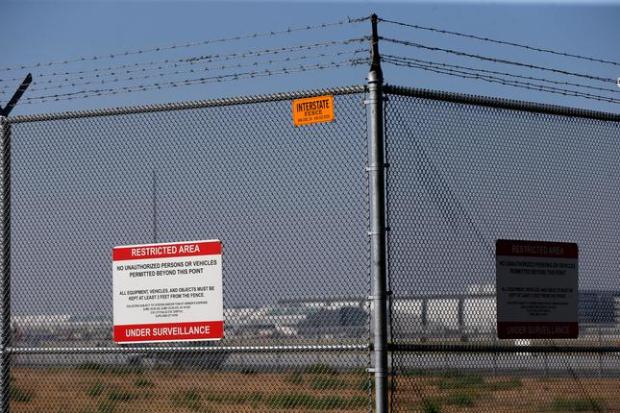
(537, 284)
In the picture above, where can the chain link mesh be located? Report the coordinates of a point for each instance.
(461, 176)
(290, 206)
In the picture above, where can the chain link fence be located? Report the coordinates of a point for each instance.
(462, 174)
(291, 206)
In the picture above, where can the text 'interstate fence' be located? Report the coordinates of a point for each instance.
(299, 211)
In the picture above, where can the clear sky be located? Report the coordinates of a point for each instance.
(41, 31)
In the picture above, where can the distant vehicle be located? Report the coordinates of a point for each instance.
(345, 322)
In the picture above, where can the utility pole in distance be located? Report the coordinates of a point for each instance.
(5, 282)
(376, 178)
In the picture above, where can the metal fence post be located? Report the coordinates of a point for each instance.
(376, 176)
(5, 368)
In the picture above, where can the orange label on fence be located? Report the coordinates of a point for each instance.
(316, 109)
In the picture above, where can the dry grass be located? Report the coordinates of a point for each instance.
(475, 393)
(93, 390)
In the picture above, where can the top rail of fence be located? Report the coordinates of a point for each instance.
(501, 103)
(195, 104)
(453, 97)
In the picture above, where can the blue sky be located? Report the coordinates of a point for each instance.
(50, 30)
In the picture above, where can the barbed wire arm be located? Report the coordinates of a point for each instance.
(16, 96)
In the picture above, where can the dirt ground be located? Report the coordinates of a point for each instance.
(94, 389)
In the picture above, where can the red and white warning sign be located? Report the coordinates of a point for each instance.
(168, 292)
(537, 289)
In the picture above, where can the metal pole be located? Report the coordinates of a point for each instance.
(376, 177)
(5, 283)
(5, 343)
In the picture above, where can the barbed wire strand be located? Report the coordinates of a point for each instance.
(164, 74)
(497, 60)
(502, 42)
(188, 82)
(189, 60)
(540, 79)
(186, 45)
(512, 83)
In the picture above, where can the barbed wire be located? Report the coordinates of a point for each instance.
(186, 45)
(165, 74)
(497, 60)
(540, 79)
(190, 60)
(241, 55)
(494, 79)
(188, 82)
(501, 42)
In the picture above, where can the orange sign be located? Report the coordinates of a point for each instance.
(316, 109)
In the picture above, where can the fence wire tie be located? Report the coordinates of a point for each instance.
(383, 99)
(372, 233)
(376, 297)
(373, 168)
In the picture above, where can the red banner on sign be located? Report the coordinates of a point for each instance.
(536, 249)
(202, 330)
(537, 330)
(187, 249)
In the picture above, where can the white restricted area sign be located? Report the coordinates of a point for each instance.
(537, 289)
(168, 292)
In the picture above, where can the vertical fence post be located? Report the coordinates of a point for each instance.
(5, 368)
(376, 176)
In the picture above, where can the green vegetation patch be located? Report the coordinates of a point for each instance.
(193, 400)
(90, 366)
(461, 381)
(190, 399)
(513, 383)
(461, 399)
(121, 396)
(96, 389)
(295, 378)
(416, 373)
(327, 382)
(365, 384)
(106, 406)
(302, 400)
(464, 381)
(116, 370)
(17, 394)
(234, 398)
(143, 383)
(431, 406)
(576, 405)
(321, 369)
